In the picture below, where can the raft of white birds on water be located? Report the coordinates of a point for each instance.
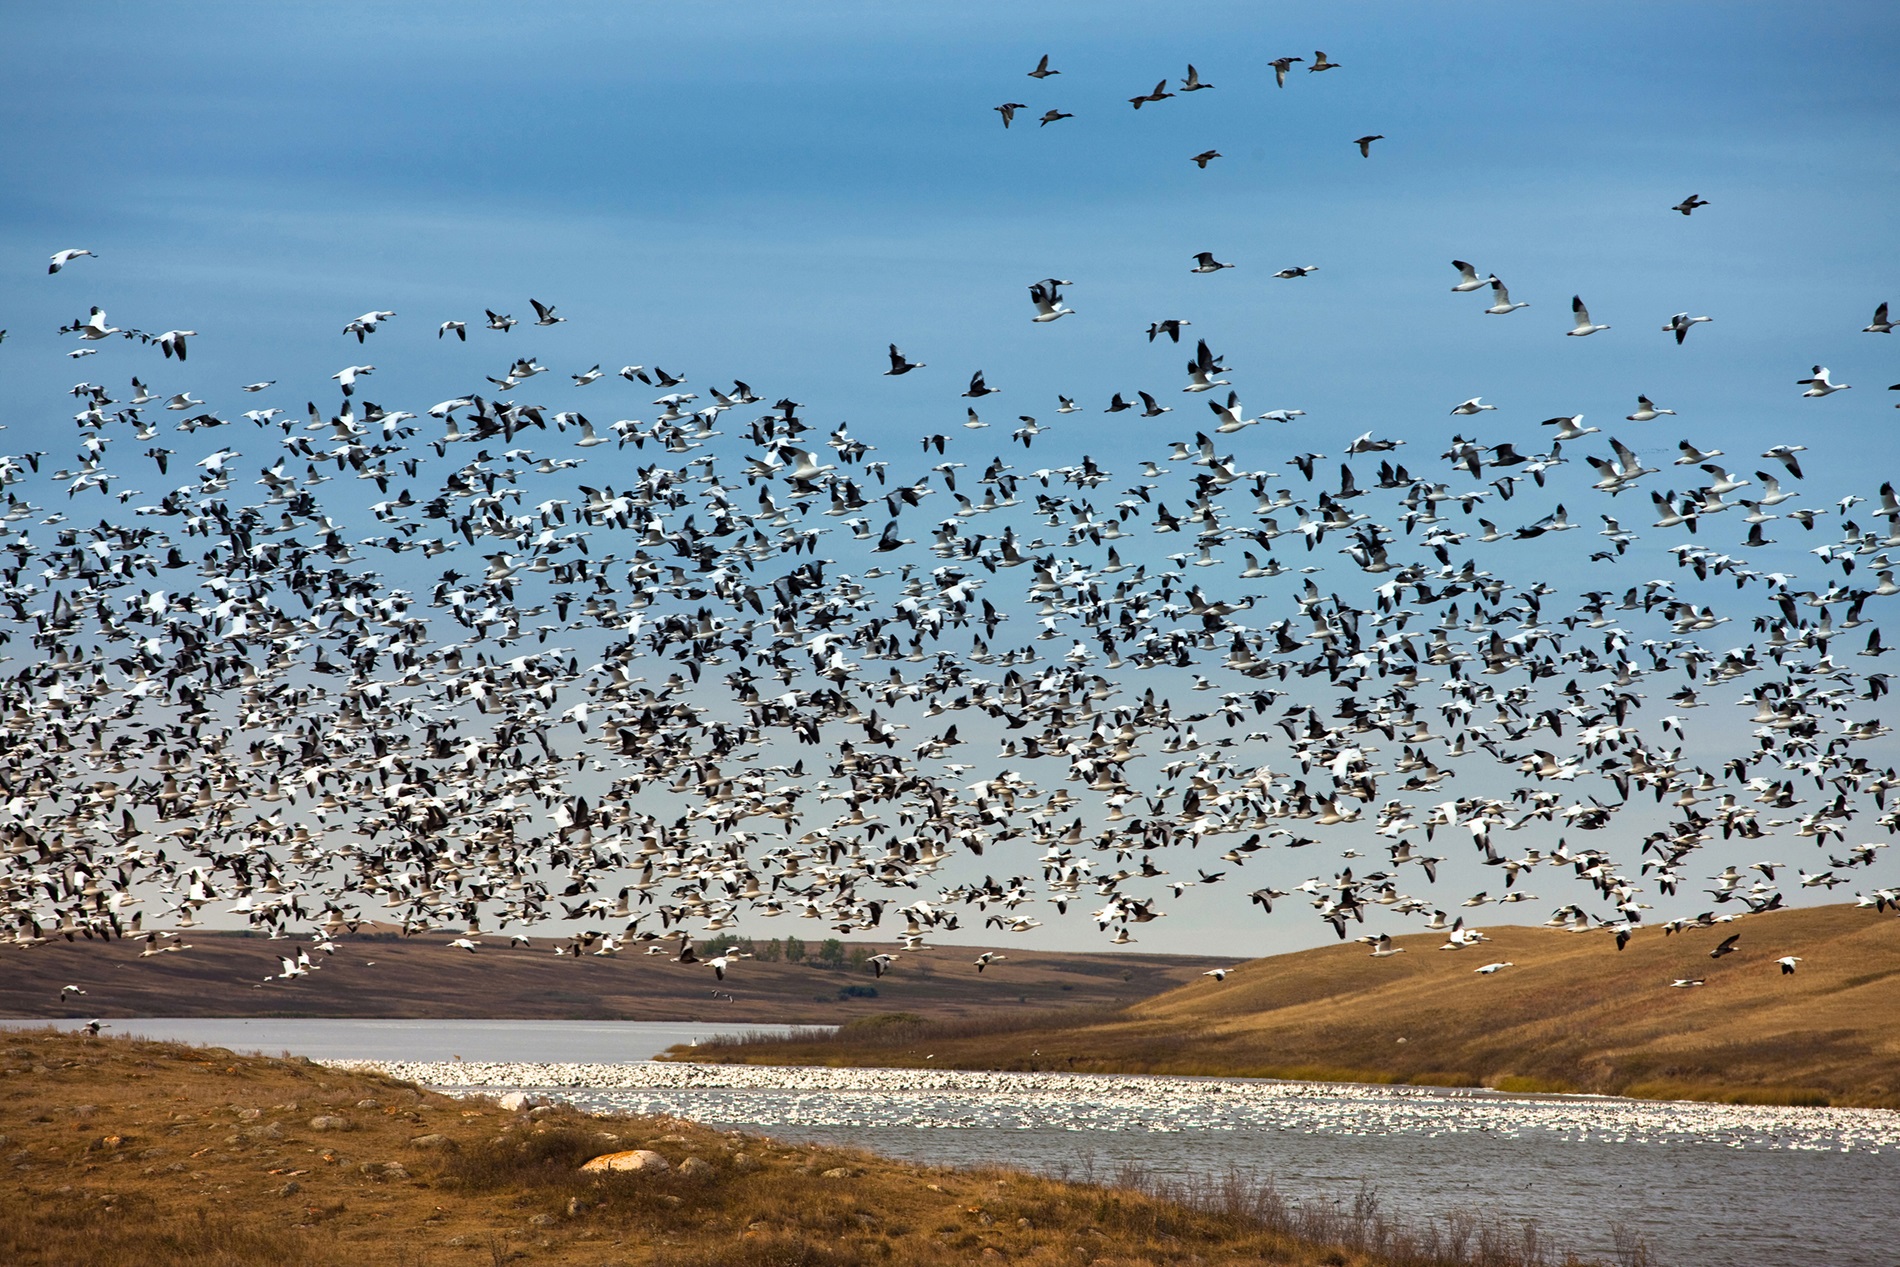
(769, 1097)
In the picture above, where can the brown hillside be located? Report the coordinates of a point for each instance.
(223, 974)
(1572, 1014)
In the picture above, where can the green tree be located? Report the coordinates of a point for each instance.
(768, 950)
(794, 950)
(831, 953)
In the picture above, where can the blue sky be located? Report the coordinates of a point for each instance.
(775, 192)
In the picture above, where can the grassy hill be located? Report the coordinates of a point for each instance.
(223, 974)
(1572, 1014)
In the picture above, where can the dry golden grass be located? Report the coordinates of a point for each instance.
(1573, 1014)
(124, 1153)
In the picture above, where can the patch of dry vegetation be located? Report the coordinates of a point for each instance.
(1572, 1014)
(122, 1153)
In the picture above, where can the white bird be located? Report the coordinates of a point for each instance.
(1204, 262)
(1818, 384)
(1880, 323)
(1491, 968)
(350, 373)
(1502, 304)
(95, 327)
(62, 258)
(460, 328)
(1680, 324)
(1584, 324)
(1646, 410)
(1468, 278)
(1472, 406)
(1788, 962)
(1219, 974)
(987, 958)
(1048, 300)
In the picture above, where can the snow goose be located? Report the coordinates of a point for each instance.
(899, 365)
(1473, 406)
(1468, 278)
(1880, 323)
(62, 258)
(1818, 383)
(1679, 324)
(1047, 297)
(1646, 410)
(1204, 262)
(1584, 324)
(1502, 304)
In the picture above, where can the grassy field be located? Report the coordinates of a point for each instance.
(1572, 1014)
(125, 1153)
(224, 974)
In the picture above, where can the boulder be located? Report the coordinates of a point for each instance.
(636, 1159)
(327, 1122)
(696, 1167)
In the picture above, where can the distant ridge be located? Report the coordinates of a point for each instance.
(1572, 1014)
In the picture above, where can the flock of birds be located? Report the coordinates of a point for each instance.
(703, 676)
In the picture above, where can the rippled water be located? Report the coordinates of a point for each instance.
(1704, 1184)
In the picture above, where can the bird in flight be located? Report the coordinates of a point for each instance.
(1583, 324)
(1159, 93)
